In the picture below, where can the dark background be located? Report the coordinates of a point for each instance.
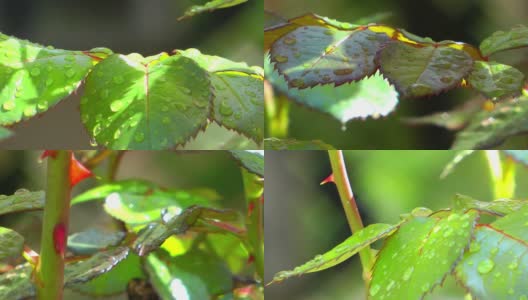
(125, 26)
(468, 21)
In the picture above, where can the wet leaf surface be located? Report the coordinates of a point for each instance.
(11, 243)
(496, 80)
(503, 40)
(16, 284)
(210, 6)
(97, 265)
(253, 161)
(90, 241)
(499, 207)
(21, 200)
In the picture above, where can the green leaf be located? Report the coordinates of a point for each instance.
(341, 252)
(138, 202)
(499, 41)
(5, 133)
(520, 156)
(496, 267)
(157, 102)
(498, 207)
(153, 235)
(291, 144)
(12, 243)
(92, 240)
(455, 119)
(114, 281)
(459, 156)
(21, 200)
(489, 129)
(496, 80)
(97, 265)
(194, 276)
(210, 6)
(238, 93)
(420, 255)
(313, 55)
(423, 71)
(253, 161)
(34, 78)
(372, 96)
(16, 284)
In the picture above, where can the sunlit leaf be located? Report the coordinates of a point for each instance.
(341, 252)
(498, 207)
(210, 6)
(11, 243)
(518, 155)
(193, 276)
(92, 240)
(114, 281)
(372, 96)
(499, 41)
(127, 186)
(496, 80)
(151, 237)
(238, 93)
(157, 102)
(423, 71)
(496, 265)
(16, 284)
(34, 78)
(21, 200)
(313, 55)
(252, 161)
(290, 144)
(97, 265)
(418, 257)
(489, 129)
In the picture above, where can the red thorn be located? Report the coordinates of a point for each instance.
(251, 259)
(251, 207)
(59, 239)
(48, 153)
(328, 179)
(78, 172)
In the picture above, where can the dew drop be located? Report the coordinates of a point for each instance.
(93, 142)
(407, 274)
(390, 285)
(42, 105)
(425, 287)
(49, 82)
(70, 73)
(96, 129)
(448, 232)
(281, 59)
(474, 247)
(514, 265)
(8, 105)
(343, 127)
(185, 90)
(118, 79)
(117, 134)
(199, 103)
(35, 72)
(225, 109)
(342, 72)
(30, 111)
(116, 106)
(485, 266)
(165, 120)
(374, 290)
(139, 137)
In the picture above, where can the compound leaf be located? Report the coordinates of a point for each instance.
(194, 276)
(496, 80)
(21, 200)
(420, 255)
(496, 265)
(499, 41)
(92, 240)
(488, 129)
(210, 6)
(251, 160)
(157, 102)
(16, 284)
(238, 93)
(423, 71)
(372, 96)
(97, 265)
(313, 55)
(341, 252)
(291, 144)
(12, 243)
(34, 78)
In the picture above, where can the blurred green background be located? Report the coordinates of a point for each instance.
(460, 20)
(304, 219)
(211, 170)
(126, 26)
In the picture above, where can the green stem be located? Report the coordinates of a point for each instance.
(277, 113)
(349, 205)
(502, 174)
(50, 268)
(254, 190)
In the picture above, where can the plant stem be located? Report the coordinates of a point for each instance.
(50, 268)
(349, 205)
(502, 174)
(254, 190)
(277, 113)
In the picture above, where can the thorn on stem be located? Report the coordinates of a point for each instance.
(328, 179)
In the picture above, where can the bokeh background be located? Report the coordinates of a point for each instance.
(126, 26)
(211, 171)
(303, 219)
(469, 21)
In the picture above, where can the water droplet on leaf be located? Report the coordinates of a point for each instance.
(485, 266)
